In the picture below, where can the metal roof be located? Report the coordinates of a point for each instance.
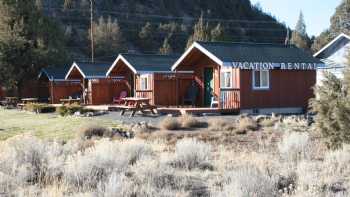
(255, 52)
(54, 73)
(336, 44)
(93, 70)
(150, 63)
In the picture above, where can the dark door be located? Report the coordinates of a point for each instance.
(208, 86)
(132, 85)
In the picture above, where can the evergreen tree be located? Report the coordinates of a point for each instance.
(299, 35)
(166, 48)
(332, 108)
(217, 34)
(201, 32)
(341, 19)
(146, 37)
(28, 42)
(108, 37)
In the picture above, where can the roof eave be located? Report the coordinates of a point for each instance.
(202, 49)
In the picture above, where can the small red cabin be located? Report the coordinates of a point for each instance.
(251, 78)
(52, 86)
(150, 76)
(97, 89)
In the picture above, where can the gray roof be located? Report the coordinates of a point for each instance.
(54, 73)
(151, 63)
(93, 70)
(254, 52)
(333, 46)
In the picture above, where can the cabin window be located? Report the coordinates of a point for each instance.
(261, 79)
(226, 79)
(144, 82)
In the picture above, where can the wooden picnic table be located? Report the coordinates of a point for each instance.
(69, 101)
(29, 100)
(10, 101)
(137, 105)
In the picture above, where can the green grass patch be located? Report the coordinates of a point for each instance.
(45, 126)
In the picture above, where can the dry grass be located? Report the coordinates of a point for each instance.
(170, 123)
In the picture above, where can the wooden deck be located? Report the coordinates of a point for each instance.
(196, 111)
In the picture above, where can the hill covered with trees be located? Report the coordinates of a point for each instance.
(159, 26)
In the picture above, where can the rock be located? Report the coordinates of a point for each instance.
(90, 114)
(77, 113)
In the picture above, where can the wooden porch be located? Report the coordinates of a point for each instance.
(195, 110)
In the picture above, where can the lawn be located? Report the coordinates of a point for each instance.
(46, 126)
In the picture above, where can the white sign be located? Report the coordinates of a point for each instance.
(271, 66)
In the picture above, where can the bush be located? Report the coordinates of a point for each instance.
(39, 108)
(189, 121)
(247, 124)
(170, 123)
(90, 131)
(66, 110)
(248, 181)
(332, 108)
(219, 124)
(190, 153)
(294, 146)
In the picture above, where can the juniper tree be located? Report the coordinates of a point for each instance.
(218, 33)
(146, 37)
(332, 108)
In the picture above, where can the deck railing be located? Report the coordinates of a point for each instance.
(230, 98)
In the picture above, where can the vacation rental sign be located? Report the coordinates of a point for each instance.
(270, 66)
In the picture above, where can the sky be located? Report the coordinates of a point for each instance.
(317, 13)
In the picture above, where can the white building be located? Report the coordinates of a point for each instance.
(335, 56)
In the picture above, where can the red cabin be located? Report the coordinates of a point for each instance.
(97, 89)
(251, 78)
(53, 87)
(150, 76)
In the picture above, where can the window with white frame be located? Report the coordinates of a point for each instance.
(226, 79)
(144, 82)
(261, 79)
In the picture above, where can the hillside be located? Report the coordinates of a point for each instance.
(174, 20)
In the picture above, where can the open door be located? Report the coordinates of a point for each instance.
(208, 86)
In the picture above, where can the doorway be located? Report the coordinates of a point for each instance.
(208, 86)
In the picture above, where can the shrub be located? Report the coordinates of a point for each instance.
(190, 153)
(247, 124)
(170, 123)
(189, 121)
(90, 131)
(66, 110)
(248, 181)
(269, 122)
(294, 146)
(219, 124)
(332, 108)
(39, 108)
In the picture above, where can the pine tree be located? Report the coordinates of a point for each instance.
(299, 35)
(28, 42)
(166, 48)
(146, 37)
(201, 32)
(108, 37)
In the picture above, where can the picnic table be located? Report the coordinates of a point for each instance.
(69, 101)
(10, 101)
(29, 100)
(134, 105)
